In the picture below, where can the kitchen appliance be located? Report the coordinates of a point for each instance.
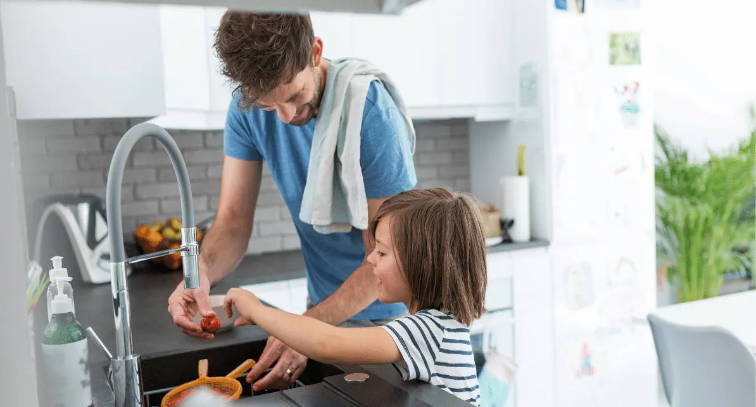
(83, 219)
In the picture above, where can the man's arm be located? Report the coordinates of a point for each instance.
(226, 242)
(387, 169)
(358, 291)
(224, 245)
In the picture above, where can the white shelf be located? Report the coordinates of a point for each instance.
(176, 119)
(480, 113)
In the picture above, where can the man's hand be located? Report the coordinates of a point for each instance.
(289, 365)
(184, 304)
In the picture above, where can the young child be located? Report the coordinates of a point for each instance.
(429, 253)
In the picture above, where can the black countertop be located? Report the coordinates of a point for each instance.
(155, 337)
(154, 334)
(149, 288)
(511, 246)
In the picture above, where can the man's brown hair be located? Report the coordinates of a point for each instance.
(260, 51)
(440, 245)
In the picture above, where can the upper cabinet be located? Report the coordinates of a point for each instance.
(83, 60)
(449, 58)
(196, 94)
(354, 6)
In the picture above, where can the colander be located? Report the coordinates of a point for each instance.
(227, 386)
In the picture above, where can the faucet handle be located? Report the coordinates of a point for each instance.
(93, 336)
(96, 339)
(189, 257)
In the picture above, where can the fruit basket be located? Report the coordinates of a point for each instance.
(162, 236)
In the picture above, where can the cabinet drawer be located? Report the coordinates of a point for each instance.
(499, 288)
(499, 293)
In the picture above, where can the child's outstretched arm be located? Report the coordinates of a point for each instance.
(311, 337)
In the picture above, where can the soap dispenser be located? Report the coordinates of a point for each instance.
(64, 355)
(58, 274)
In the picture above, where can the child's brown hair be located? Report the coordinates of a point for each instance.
(440, 245)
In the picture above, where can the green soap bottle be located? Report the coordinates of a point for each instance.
(64, 356)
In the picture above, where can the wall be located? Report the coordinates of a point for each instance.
(703, 69)
(72, 156)
(19, 383)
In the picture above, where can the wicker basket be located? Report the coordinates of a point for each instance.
(227, 386)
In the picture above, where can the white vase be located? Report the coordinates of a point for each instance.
(515, 205)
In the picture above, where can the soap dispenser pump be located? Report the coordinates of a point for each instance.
(58, 277)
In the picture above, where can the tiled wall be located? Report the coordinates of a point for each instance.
(72, 156)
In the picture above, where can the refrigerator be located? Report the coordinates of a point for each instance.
(584, 112)
(603, 243)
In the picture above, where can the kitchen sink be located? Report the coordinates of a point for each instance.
(161, 373)
(320, 385)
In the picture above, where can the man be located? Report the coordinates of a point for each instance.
(277, 63)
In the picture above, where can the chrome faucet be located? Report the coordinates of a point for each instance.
(125, 366)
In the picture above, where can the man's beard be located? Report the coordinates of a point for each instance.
(311, 112)
(312, 105)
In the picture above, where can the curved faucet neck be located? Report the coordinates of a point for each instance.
(115, 180)
(127, 383)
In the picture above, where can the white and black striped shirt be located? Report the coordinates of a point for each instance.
(436, 349)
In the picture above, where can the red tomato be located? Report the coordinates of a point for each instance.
(210, 324)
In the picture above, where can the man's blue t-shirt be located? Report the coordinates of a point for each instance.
(387, 169)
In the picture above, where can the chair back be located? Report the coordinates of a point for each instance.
(703, 366)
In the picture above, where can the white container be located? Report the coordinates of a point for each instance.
(515, 204)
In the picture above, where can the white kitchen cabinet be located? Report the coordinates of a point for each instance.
(196, 94)
(82, 60)
(448, 58)
(493, 335)
(390, 42)
(355, 6)
(499, 285)
(533, 305)
(517, 324)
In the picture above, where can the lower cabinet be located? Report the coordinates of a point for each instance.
(493, 335)
(493, 342)
(512, 340)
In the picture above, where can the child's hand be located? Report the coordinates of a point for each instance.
(245, 302)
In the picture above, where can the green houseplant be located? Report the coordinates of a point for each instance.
(705, 216)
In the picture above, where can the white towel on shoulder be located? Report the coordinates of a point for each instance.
(334, 197)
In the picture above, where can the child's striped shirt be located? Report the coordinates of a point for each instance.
(436, 349)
